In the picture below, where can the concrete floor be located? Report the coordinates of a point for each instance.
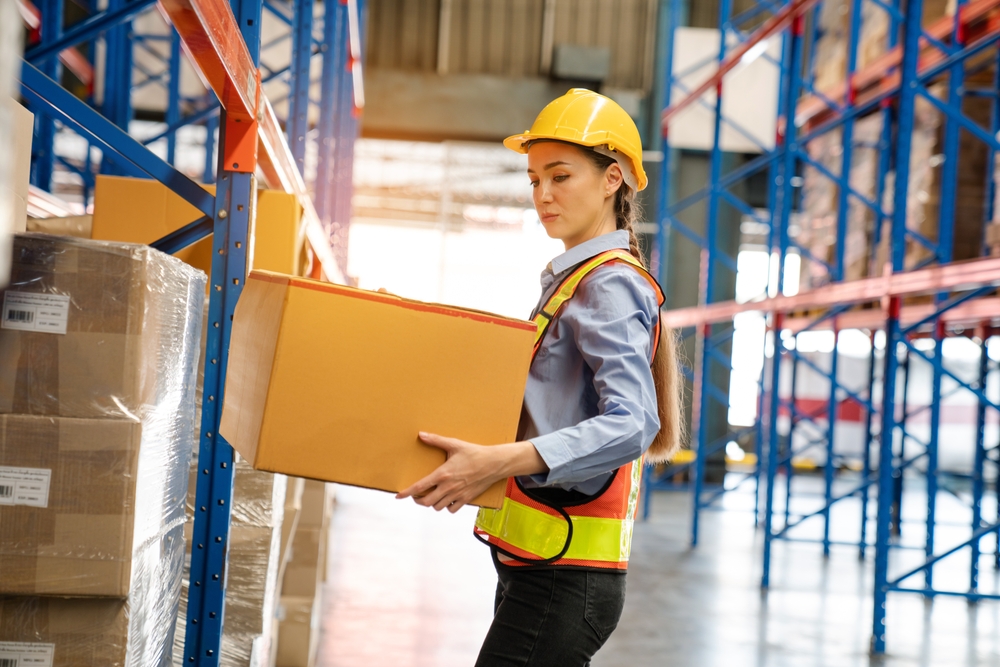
(412, 588)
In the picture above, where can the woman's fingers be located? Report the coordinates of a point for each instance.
(419, 489)
(449, 445)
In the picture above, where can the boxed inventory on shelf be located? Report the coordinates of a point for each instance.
(88, 328)
(98, 348)
(141, 211)
(254, 561)
(298, 631)
(335, 383)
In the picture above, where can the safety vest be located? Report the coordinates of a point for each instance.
(596, 532)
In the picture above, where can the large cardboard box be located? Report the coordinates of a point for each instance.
(136, 631)
(298, 631)
(85, 632)
(334, 383)
(72, 509)
(142, 211)
(64, 632)
(97, 330)
(137, 210)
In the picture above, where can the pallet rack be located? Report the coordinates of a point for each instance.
(961, 295)
(223, 42)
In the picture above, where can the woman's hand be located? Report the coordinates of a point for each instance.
(470, 470)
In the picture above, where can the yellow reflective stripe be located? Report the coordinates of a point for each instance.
(568, 288)
(633, 503)
(544, 535)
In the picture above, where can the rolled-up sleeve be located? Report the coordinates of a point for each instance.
(611, 318)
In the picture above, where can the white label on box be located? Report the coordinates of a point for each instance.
(35, 312)
(24, 486)
(22, 654)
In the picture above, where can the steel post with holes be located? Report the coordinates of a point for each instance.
(235, 208)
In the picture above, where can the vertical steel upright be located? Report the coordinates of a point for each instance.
(298, 99)
(44, 143)
(235, 209)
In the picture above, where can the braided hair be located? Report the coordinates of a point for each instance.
(667, 378)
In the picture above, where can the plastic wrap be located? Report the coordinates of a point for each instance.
(252, 571)
(298, 631)
(110, 632)
(98, 347)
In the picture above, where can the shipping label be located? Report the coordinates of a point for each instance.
(27, 311)
(23, 654)
(24, 486)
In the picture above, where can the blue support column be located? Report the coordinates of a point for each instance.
(707, 287)
(117, 103)
(43, 162)
(334, 52)
(235, 207)
(173, 115)
(907, 102)
(792, 60)
(298, 99)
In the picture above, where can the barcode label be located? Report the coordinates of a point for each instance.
(19, 316)
(25, 311)
(24, 654)
(24, 486)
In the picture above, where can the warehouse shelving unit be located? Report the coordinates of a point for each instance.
(223, 42)
(935, 299)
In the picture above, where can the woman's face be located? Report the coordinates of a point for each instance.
(573, 197)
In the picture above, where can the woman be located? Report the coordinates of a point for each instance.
(603, 395)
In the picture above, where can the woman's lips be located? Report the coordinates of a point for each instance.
(548, 217)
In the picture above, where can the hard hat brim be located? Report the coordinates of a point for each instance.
(517, 143)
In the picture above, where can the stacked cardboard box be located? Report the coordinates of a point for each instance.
(301, 590)
(252, 571)
(98, 346)
(142, 211)
(818, 222)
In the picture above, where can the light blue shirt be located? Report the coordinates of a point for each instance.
(590, 402)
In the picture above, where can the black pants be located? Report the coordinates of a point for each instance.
(551, 617)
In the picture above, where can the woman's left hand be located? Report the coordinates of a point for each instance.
(470, 470)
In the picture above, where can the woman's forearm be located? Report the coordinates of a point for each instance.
(517, 459)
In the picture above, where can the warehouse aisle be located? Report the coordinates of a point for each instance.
(407, 587)
(430, 606)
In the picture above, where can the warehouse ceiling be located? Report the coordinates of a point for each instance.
(482, 69)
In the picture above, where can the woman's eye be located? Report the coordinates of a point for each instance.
(534, 184)
(560, 178)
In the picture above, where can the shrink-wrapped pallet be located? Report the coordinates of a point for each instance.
(98, 345)
(252, 571)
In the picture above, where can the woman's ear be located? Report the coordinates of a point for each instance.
(613, 179)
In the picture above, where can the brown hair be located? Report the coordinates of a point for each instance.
(666, 365)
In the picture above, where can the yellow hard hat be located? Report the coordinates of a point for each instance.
(586, 118)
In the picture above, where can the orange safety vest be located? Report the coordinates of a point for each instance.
(595, 533)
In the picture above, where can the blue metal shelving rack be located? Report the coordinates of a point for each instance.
(945, 53)
(222, 40)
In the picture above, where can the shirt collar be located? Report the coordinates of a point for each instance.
(617, 240)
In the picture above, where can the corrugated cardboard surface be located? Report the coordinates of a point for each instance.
(85, 632)
(127, 321)
(411, 367)
(138, 210)
(107, 632)
(81, 544)
(276, 232)
(298, 631)
(141, 211)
